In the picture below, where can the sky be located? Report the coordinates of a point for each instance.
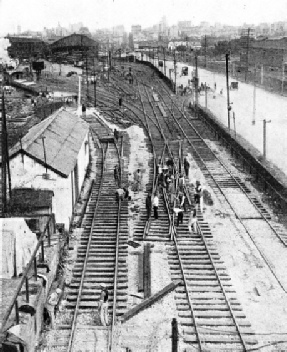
(37, 14)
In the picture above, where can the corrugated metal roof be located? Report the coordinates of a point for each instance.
(63, 134)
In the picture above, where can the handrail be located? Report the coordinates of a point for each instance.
(25, 274)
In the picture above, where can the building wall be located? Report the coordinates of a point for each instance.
(29, 174)
(26, 172)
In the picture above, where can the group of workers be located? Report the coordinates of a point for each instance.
(167, 179)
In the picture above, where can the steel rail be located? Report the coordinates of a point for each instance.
(224, 166)
(120, 154)
(171, 220)
(234, 211)
(74, 320)
(172, 229)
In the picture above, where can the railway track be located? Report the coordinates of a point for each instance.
(210, 317)
(101, 253)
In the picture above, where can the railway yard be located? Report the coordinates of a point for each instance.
(221, 288)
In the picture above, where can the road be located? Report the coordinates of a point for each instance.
(248, 104)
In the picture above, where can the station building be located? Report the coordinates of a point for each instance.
(53, 155)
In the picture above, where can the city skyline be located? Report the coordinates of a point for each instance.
(28, 15)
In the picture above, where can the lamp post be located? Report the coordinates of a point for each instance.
(264, 137)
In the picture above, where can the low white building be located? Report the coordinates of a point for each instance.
(53, 155)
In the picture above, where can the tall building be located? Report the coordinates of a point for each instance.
(74, 28)
(183, 24)
(18, 29)
(136, 29)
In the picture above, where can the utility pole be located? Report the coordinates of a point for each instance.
(95, 85)
(227, 90)
(247, 54)
(196, 83)
(164, 61)
(283, 77)
(186, 49)
(205, 89)
(254, 98)
(4, 154)
(87, 78)
(264, 137)
(205, 51)
(174, 66)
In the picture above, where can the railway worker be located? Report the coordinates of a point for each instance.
(172, 190)
(167, 182)
(186, 166)
(181, 182)
(198, 195)
(181, 200)
(116, 174)
(120, 194)
(83, 110)
(137, 180)
(155, 205)
(103, 305)
(126, 194)
(148, 205)
(192, 221)
(179, 212)
(170, 165)
(116, 135)
(51, 304)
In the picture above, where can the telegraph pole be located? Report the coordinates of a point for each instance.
(4, 157)
(254, 98)
(87, 78)
(205, 51)
(164, 61)
(95, 85)
(264, 137)
(247, 54)
(283, 78)
(174, 66)
(205, 89)
(227, 90)
(196, 82)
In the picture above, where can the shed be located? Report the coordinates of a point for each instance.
(53, 155)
